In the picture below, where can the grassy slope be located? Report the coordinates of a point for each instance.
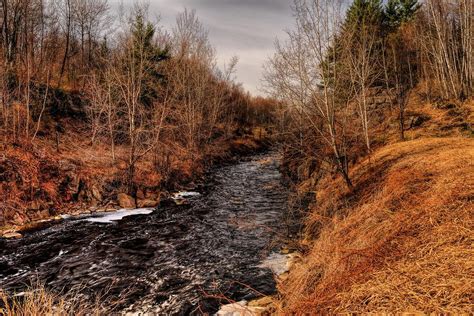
(402, 241)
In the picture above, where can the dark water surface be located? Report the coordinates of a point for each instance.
(171, 261)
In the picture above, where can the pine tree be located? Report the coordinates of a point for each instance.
(363, 13)
(151, 55)
(143, 34)
(400, 11)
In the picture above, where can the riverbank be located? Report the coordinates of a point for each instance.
(39, 184)
(401, 239)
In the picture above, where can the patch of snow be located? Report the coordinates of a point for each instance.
(118, 215)
(186, 195)
(277, 262)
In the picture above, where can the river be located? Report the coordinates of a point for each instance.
(177, 260)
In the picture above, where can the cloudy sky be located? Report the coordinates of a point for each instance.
(243, 28)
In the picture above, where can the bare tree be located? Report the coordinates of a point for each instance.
(103, 109)
(193, 80)
(133, 68)
(302, 73)
(446, 39)
(92, 20)
(66, 16)
(362, 53)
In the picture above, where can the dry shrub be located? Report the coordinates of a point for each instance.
(402, 241)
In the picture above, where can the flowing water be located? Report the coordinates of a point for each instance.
(177, 260)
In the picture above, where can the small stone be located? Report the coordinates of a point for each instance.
(284, 276)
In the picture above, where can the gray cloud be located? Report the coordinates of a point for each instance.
(245, 28)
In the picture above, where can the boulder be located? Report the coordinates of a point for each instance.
(147, 203)
(126, 201)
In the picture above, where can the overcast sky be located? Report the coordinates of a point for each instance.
(243, 28)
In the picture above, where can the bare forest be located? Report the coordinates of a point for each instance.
(107, 99)
(345, 185)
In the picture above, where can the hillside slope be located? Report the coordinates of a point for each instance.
(401, 241)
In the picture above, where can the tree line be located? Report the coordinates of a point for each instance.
(149, 89)
(341, 54)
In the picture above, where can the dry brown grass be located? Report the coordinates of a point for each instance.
(38, 301)
(401, 242)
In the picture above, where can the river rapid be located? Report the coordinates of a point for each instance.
(177, 260)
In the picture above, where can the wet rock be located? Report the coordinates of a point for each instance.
(147, 203)
(126, 201)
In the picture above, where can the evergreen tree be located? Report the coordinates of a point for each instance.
(363, 13)
(145, 50)
(400, 11)
(143, 34)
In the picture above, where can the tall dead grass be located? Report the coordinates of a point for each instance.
(34, 303)
(402, 241)
(36, 300)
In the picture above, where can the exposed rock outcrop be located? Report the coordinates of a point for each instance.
(126, 201)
